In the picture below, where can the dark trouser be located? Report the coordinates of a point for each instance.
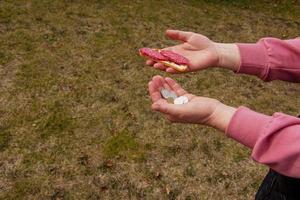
(278, 187)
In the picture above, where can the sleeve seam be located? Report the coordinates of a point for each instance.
(267, 68)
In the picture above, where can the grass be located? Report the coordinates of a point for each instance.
(4, 138)
(123, 145)
(75, 118)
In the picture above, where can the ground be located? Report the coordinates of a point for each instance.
(75, 118)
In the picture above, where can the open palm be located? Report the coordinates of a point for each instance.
(200, 51)
(197, 110)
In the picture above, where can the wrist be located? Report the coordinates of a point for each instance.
(228, 56)
(221, 117)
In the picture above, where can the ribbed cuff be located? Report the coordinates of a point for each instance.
(246, 125)
(254, 59)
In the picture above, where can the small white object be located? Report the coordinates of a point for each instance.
(173, 95)
(181, 100)
(165, 93)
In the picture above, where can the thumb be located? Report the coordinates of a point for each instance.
(165, 108)
(179, 35)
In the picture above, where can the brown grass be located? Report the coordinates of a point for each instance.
(75, 118)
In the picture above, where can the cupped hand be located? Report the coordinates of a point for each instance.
(198, 110)
(201, 51)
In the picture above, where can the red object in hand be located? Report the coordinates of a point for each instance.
(152, 54)
(168, 58)
(174, 57)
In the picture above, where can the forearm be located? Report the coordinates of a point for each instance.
(229, 56)
(221, 117)
(269, 59)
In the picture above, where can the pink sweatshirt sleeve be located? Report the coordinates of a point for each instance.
(274, 140)
(271, 59)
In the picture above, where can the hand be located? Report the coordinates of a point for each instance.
(199, 110)
(201, 52)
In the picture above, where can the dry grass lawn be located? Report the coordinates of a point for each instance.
(75, 118)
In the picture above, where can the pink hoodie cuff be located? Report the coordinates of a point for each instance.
(254, 59)
(246, 125)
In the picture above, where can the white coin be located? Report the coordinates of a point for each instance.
(181, 100)
(165, 93)
(185, 99)
(173, 95)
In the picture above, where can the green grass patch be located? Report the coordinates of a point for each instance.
(5, 138)
(55, 121)
(123, 145)
(24, 188)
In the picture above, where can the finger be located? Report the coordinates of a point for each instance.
(168, 109)
(166, 86)
(175, 86)
(158, 81)
(156, 85)
(150, 62)
(159, 66)
(164, 107)
(179, 35)
(157, 105)
(172, 71)
(154, 93)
